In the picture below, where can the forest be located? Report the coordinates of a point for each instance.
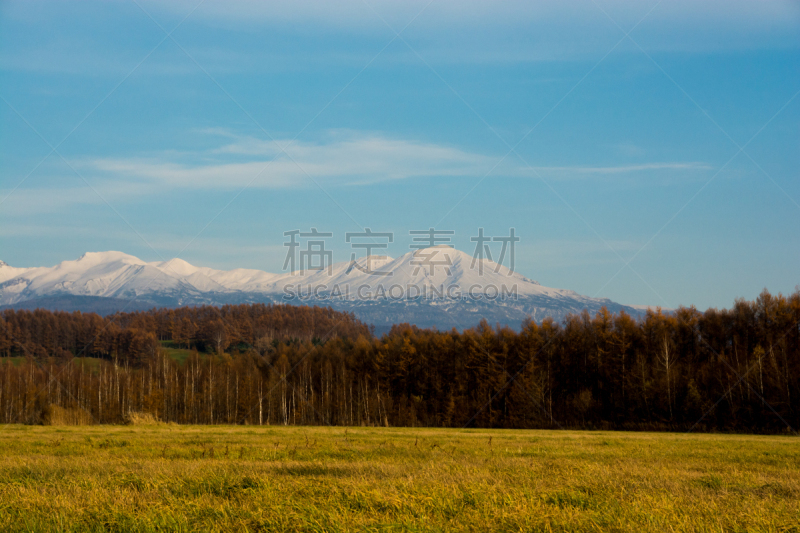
(735, 370)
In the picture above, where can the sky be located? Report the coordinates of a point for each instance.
(646, 151)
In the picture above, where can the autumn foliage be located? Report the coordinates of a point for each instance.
(731, 370)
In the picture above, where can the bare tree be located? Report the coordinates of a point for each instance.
(667, 361)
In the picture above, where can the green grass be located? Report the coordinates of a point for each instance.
(178, 354)
(173, 351)
(223, 478)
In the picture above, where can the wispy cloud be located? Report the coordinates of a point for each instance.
(354, 14)
(349, 33)
(341, 159)
(35, 201)
(625, 169)
(346, 159)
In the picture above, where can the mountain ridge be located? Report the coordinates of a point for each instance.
(428, 287)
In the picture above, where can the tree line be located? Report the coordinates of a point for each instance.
(133, 338)
(734, 369)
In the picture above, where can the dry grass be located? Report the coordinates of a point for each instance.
(190, 478)
(141, 419)
(59, 416)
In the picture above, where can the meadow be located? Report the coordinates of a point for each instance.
(165, 477)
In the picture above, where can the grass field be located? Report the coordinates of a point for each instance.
(222, 478)
(179, 354)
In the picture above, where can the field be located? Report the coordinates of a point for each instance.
(222, 478)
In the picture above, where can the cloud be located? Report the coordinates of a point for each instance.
(341, 159)
(577, 171)
(346, 159)
(307, 34)
(34, 201)
(358, 13)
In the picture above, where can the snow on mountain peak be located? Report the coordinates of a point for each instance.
(176, 266)
(438, 268)
(8, 272)
(455, 264)
(95, 258)
(372, 262)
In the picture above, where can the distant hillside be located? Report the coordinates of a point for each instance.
(435, 287)
(101, 305)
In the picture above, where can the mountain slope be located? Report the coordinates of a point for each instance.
(440, 287)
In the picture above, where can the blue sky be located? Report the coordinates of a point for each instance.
(655, 168)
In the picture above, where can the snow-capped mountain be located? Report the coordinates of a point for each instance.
(439, 286)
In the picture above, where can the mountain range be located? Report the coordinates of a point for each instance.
(435, 287)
